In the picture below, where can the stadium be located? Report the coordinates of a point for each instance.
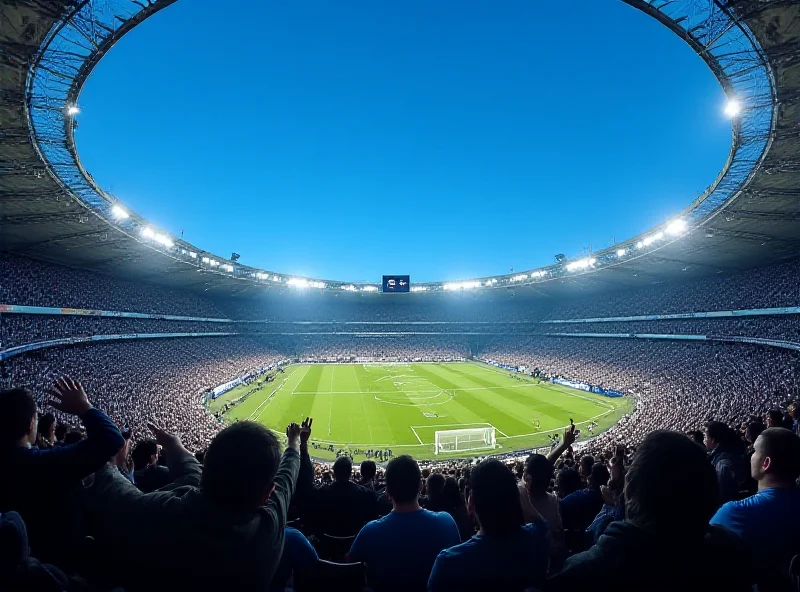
(696, 319)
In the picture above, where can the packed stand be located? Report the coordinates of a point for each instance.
(139, 381)
(34, 283)
(768, 287)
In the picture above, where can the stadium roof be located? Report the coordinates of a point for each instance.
(51, 209)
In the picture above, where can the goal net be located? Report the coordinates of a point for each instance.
(464, 440)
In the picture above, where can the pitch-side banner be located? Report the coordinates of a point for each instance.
(589, 388)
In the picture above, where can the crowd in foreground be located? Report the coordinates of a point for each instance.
(712, 509)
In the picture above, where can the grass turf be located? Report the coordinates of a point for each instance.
(401, 406)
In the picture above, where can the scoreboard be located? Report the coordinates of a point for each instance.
(396, 283)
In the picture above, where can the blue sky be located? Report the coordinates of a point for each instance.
(445, 140)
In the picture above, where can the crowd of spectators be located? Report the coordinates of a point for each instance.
(140, 381)
(34, 283)
(125, 464)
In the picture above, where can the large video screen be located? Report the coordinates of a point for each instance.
(396, 283)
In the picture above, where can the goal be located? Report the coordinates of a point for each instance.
(464, 440)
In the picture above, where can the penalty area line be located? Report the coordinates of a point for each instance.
(416, 435)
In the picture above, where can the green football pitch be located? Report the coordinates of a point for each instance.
(401, 406)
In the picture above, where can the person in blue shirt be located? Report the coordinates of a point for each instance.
(400, 548)
(298, 555)
(769, 521)
(506, 554)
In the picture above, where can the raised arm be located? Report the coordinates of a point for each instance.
(305, 478)
(285, 478)
(69, 464)
(569, 440)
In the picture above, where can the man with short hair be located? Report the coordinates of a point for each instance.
(506, 554)
(38, 483)
(230, 511)
(400, 548)
(726, 452)
(368, 471)
(537, 501)
(665, 541)
(148, 475)
(340, 509)
(769, 521)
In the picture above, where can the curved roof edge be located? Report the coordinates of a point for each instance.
(85, 31)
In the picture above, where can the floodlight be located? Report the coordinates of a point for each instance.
(733, 108)
(639, 245)
(676, 227)
(621, 252)
(369, 289)
(73, 110)
(119, 213)
(148, 232)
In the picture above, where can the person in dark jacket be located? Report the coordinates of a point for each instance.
(449, 500)
(665, 542)
(147, 473)
(340, 509)
(230, 511)
(579, 509)
(38, 484)
(726, 451)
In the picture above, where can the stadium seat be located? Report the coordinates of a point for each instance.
(334, 548)
(330, 576)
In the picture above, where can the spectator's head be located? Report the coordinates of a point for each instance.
(368, 470)
(538, 474)
(567, 481)
(598, 476)
(342, 469)
(697, 436)
(494, 498)
(774, 418)
(753, 431)
(776, 458)
(240, 465)
(718, 434)
(794, 410)
(403, 480)
(451, 494)
(434, 485)
(144, 454)
(18, 419)
(61, 431)
(585, 466)
(669, 482)
(47, 427)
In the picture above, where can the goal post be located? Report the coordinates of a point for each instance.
(467, 440)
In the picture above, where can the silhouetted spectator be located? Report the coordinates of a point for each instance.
(39, 483)
(506, 554)
(665, 542)
(400, 548)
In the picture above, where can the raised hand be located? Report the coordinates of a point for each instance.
(164, 438)
(569, 435)
(68, 396)
(293, 435)
(305, 431)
